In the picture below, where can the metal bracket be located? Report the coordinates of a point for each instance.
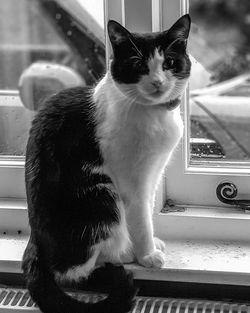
(227, 192)
(170, 207)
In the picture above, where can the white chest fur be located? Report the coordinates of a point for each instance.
(136, 141)
(134, 138)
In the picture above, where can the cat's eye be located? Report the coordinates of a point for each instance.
(168, 64)
(138, 63)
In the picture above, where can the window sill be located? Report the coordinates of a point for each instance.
(215, 262)
(204, 245)
(212, 262)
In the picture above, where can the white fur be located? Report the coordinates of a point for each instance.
(144, 91)
(136, 142)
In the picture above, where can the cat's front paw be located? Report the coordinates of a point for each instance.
(155, 259)
(159, 244)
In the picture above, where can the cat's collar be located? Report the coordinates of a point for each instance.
(172, 104)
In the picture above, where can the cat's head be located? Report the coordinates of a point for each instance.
(150, 68)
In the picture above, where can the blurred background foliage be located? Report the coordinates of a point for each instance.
(220, 37)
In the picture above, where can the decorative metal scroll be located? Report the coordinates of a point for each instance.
(227, 192)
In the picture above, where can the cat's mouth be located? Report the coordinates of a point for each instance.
(157, 93)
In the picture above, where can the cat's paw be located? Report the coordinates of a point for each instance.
(155, 259)
(159, 244)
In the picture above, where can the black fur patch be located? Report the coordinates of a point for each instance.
(131, 51)
(61, 151)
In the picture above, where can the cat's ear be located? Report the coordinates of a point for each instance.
(181, 28)
(176, 37)
(117, 33)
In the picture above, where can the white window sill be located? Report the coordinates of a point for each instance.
(217, 262)
(216, 248)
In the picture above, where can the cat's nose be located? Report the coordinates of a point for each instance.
(157, 83)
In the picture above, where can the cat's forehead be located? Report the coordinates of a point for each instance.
(148, 43)
(157, 54)
(156, 58)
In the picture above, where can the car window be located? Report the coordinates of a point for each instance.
(219, 104)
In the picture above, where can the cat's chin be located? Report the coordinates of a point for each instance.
(155, 98)
(150, 100)
(162, 101)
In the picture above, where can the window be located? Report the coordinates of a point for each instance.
(216, 141)
(41, 52)
(215, 146)
(219, 114)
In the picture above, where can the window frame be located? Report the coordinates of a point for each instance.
(161, 14)
(189, 184)
(199, 215)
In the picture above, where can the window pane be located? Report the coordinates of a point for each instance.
(219, 103)
(45, 46)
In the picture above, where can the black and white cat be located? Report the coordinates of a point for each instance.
(94, 160)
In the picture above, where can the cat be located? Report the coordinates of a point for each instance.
(94, 159)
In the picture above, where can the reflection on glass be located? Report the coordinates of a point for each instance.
(220, 81)
(45, 46)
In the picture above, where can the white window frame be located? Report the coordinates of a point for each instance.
(196, 184)
(192, 189)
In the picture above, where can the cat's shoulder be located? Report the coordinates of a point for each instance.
(71, 107)
(69, 99)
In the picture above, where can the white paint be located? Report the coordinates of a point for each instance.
(205, 261)
(216, 262)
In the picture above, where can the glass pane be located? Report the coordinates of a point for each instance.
(45, 46)
(219, 103)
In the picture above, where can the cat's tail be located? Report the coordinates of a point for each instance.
(52, 299)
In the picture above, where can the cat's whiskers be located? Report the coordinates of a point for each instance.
(84, 229)
(172, 43)
(133, 98)
(178, 88)
(97, 231)
(135, 57)
(136, 49)
(129, 93)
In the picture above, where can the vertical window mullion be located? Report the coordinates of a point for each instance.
(157, 15)
(113, 10)
(171, 11)
(138, 15)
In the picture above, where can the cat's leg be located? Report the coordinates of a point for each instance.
(118, 247)
(147, 250)
(159, 244)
